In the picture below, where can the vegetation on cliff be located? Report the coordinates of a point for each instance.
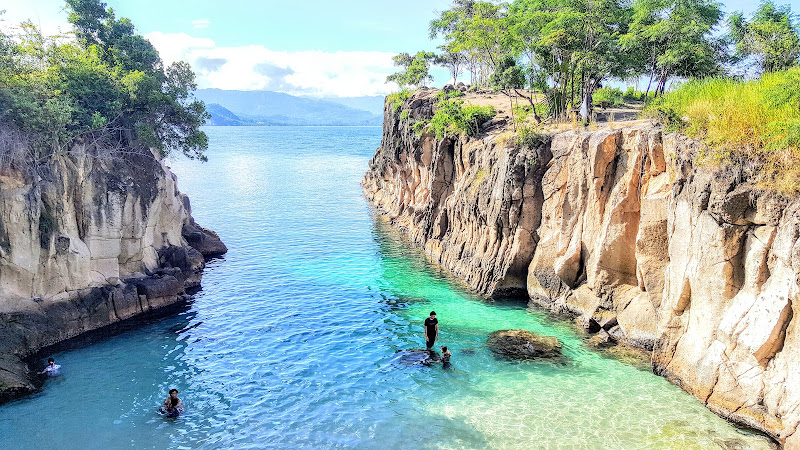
(756, 121)
(102, 80)
(568, 49)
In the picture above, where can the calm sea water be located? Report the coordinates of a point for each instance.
(292, 341)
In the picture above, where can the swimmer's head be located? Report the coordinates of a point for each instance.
(173, 393)
(433, 313)
(51, 361)
(444, 348)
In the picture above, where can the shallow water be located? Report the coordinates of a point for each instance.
(293, 339)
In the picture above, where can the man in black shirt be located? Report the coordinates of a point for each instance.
(431, 330)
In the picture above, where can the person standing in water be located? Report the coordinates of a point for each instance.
(172, 406)
(431, 330)
(52, 368)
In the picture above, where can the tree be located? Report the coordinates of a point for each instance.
(770, 37)
(573, 43)
(508, 76)
(452, 61)
(674, 38)
(415, 69)
(155, 103)
(477, 30)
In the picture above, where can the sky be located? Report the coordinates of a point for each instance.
(320, 48)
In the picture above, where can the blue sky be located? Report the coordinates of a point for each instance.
(313, 47)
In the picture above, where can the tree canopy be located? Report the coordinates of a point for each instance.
(415, 69)
(107, 80)
(567, 49)
(770, 36)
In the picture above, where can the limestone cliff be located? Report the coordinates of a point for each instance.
(86, 240)
(622, 229)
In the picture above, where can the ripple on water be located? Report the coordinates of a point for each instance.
(293, 338)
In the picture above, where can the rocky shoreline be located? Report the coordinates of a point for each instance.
(87, 243)
(621, 229)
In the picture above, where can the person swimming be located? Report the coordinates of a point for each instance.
(52, 368)
(446, 357)
(172, 406)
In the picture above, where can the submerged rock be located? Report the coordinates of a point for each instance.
(522, 344)
(417, 357)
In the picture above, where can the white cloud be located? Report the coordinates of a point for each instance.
(255, 67)
(201, 23)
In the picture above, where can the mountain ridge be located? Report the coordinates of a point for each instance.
(232, 107)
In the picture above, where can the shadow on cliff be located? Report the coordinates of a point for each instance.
(405, 268)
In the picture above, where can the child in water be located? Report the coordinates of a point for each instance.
(445, 357)
(172, 406)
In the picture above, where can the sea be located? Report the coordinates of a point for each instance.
(298, 337)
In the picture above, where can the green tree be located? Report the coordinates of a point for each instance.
(508, 77)
(415, 70)
(453, 61)
(477, 30)
(573, 43)
(158, 103)
(769, 36)
(109, 82)
(674, 38)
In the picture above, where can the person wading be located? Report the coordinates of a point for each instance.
(431, 330)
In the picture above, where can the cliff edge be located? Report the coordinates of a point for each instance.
(88, 239)
(622, 229)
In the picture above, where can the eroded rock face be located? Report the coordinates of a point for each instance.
(522, 344)
(86, 242)
(624, 231)
(473, 204)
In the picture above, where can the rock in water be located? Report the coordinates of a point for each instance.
(414, 357)
(522, 344)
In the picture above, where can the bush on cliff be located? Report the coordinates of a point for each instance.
(109, 83)
(755, 120)
(397, 99)
(453, 118)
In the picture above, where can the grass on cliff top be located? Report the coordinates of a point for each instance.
(756, 121)
(398, 98)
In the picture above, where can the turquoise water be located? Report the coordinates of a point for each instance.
(292, 341)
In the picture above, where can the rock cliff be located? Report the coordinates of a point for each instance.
(87, 240)
(622, 229)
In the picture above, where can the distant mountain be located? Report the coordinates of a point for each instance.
(373, 104)
(275, 108)
(223, 117)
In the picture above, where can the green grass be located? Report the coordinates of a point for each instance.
(398, 98)
(755, 120)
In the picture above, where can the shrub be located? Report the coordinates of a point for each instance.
(529, 137)
(606, 97)
(453, 118)
(398, 98)
(757, 120)
(442, 95)
(521, 113)
(632, 95)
